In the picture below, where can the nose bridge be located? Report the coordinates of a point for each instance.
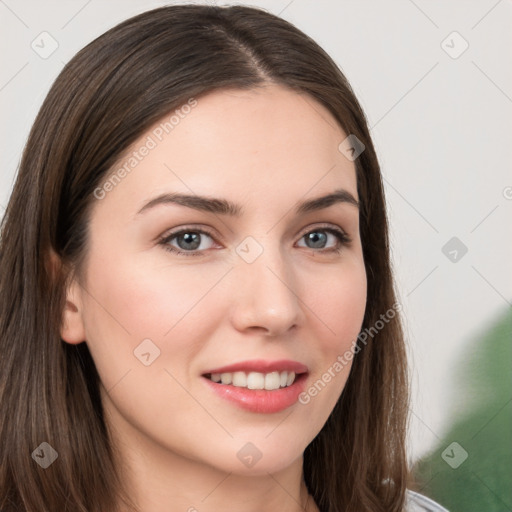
(266, 295)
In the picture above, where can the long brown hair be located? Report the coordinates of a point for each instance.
(106, 97)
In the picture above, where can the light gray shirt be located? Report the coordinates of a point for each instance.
(416, 502)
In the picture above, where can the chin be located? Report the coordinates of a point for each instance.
(259, 456)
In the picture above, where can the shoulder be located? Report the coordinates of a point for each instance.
(416, 502)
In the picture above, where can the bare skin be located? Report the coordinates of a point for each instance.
(266, 149)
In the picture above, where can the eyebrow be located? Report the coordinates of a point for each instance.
(225, 207)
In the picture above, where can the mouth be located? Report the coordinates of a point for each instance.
(259, 386)
(254, 380)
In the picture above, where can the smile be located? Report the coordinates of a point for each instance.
(258, 386)
(255, 380)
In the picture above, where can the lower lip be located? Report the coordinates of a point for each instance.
(260, 400)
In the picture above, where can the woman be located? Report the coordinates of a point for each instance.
(197, 308)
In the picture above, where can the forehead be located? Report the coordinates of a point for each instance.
(268, 121)
(269, 142)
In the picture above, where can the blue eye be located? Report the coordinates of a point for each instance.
(318, 237)
(189, 240)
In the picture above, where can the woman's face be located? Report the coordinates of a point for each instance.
(260, 289)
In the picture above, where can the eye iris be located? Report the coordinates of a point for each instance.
(317, 236)
(190, 238)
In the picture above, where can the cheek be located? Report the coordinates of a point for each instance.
(340, 308)
(176, 310)
(135, 299)
(341, 304)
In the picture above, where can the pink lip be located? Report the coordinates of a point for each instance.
(262, 366)
(260, 400)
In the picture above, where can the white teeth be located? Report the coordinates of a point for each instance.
(272, 380)
(255, 380)
(239, 380)
(226, 378)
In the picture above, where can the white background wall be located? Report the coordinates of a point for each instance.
(442, 127)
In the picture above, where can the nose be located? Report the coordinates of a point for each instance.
(266, 295)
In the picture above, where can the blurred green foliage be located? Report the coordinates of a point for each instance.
(482, 426)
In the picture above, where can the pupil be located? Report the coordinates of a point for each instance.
(314, 237)
(191, 239)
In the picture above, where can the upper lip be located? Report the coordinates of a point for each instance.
(262, 366)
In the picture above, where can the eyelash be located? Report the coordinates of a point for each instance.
(343, 239)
